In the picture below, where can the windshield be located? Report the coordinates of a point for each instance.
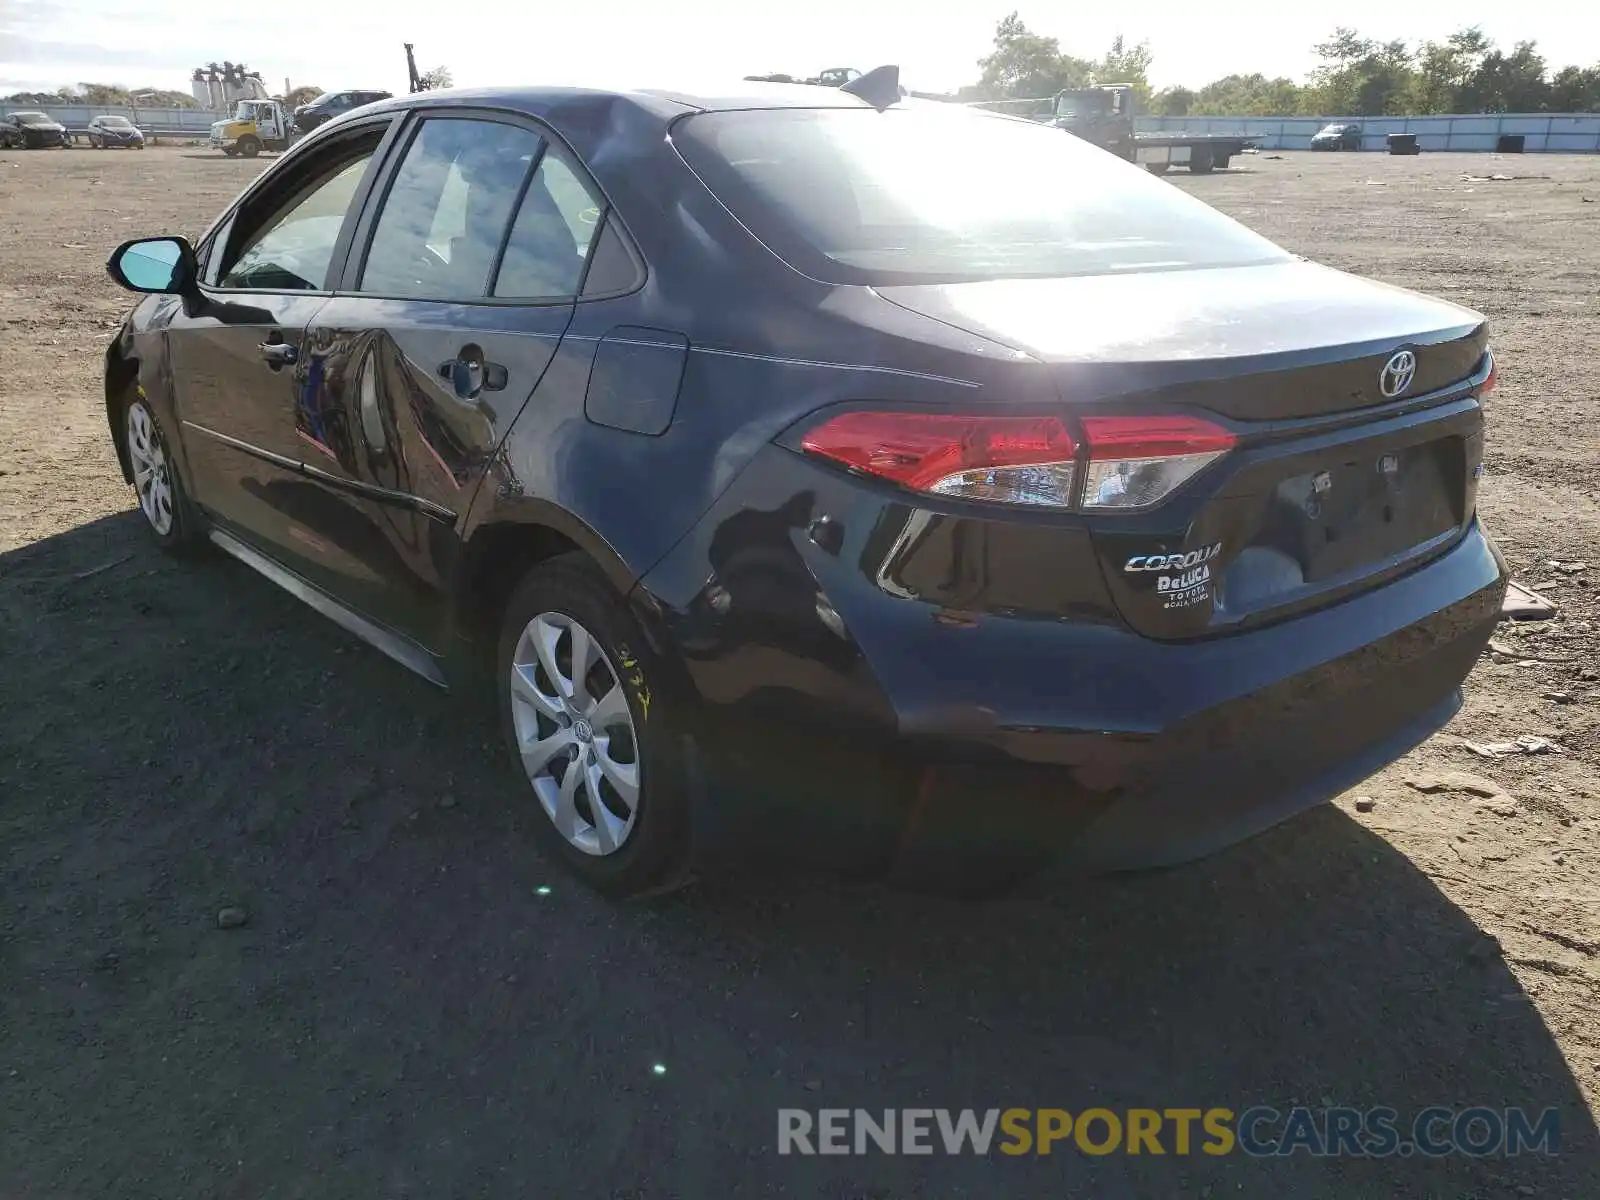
(937, 193)
(33, 118)
(1070, 105)
(1330, 129)
(115, 122)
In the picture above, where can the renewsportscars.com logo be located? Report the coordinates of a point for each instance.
(1259, 1132)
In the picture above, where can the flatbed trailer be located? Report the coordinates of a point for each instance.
(1200, 152)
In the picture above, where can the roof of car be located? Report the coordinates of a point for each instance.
(666, 100)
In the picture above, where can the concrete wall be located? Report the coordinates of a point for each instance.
(1544, 133)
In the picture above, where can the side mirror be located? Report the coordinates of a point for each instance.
(164, 266)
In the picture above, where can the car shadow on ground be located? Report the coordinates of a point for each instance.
(418, 1004)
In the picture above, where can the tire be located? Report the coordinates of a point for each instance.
(231, 151)
(1158, 168)
(1200, 160)
(618, 850)
(163, 500)
(1222, 161)
(249, 147)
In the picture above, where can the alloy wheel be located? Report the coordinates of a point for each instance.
(152, 478)
(575, 733)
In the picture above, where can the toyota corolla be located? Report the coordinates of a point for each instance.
(906, 484)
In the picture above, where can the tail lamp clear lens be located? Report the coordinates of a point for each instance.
(1127, 462)
(1136, 461)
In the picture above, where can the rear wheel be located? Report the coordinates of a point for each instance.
(1200, 160)
(1158, 168)
(249, 146)
(590, 739)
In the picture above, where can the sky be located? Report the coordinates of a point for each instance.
(46, 44)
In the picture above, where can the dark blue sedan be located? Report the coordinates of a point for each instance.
(113, 132)
(904, 486)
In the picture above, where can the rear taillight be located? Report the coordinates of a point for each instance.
(1135, 461)
(1126, 462)
(1004, 460)
(1487, 385)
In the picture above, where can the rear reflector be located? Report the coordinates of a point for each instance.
(1137, 461)
(1005, 460)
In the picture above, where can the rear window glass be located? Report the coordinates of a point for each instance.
(937, 193)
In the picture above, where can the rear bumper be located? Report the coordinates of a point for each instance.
(875, 730)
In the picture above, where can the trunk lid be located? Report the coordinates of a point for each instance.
(1338, 480)
(1258, 343)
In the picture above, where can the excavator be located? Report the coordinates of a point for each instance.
(418, 83)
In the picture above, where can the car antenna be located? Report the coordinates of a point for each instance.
(879, 87)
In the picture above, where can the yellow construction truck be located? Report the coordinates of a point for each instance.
(255, 125)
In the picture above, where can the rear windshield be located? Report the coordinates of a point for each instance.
(940, 193)
(27, 118)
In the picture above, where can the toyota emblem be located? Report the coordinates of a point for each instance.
(1397, 374)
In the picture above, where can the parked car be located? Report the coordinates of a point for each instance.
(333, 104)
(111, 130)
(1337, 137)
(31, 131)
(934, 537)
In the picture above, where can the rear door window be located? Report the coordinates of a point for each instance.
(556, 225)
(439, 232)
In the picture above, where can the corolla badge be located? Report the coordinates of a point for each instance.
(1173, 562)
(1397, 374)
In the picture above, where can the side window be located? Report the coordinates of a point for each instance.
(557, 223)
(446, 213)
(291, 247)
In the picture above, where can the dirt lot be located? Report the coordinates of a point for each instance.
(406, 1013)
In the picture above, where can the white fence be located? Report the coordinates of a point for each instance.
(175, 122)
(1577, 133)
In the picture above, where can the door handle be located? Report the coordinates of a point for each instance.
(278, 354)
(469, 374)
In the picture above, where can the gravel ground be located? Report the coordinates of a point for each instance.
(415, 1004)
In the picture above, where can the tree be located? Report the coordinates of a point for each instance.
(1443, 70)
(1172, 102)
(304, 94)
(1248, 96)
(1025, 64)
(1511, 83)
(435, 79)
(1125, 64)
(1575, 89)
(1361, 77)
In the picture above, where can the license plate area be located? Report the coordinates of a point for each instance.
(1364, 511)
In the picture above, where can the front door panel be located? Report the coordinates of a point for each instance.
(235, 401)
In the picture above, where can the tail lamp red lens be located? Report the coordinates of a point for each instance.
(1125, 462)
(1008, 460)
(1489, 380)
